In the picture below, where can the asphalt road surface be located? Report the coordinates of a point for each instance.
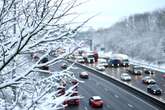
(137, 80)
(114, 97)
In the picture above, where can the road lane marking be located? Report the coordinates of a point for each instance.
(137, 98)
(108, 106)
(106, 89)
(86, 108)
(116, 96)
(125, 91)
(97, 83)
(131, 106)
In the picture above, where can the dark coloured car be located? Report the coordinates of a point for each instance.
(35, 56)
(154, 89)
(90, 59)
(61, 90)
(135, 69)
(84, 75)
(45, 67)
(96, 102)
(148, 80)
(74, 81)
(114, 63)
(148, 71)
(64, 65)
(125, 63)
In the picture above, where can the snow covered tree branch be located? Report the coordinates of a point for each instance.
(36, 27)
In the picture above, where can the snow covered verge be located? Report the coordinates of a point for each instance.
(145, 64)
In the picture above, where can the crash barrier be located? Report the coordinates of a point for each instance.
(147, 65)
(137, 92)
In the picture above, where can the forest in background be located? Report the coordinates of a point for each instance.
(140, 36)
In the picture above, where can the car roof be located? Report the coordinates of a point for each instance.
(84, 72)
(96, 97)
(154, 86)
(124, 74)
(147, 77)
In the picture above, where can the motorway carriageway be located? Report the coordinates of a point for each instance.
(114, 97)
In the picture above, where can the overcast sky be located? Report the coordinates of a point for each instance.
(111, 11)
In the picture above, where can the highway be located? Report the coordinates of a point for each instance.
(114, 97)
(137, 79)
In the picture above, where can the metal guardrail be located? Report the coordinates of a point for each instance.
(141, 94)
(147, 65)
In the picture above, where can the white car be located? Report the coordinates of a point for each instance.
(100, 67)
(84, 75)
(103, 62)
(125, 77)
(80, 59)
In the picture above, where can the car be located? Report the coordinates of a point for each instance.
(71, 102)
(84, 75)
(135, 70)
(154, 89)
(80, 59)
(163, 76)
(96, 101)
(125, 77)
(90, 59)
(103, 62)
(148, 80)
(74, 81)
(148, 71)
(100, 67)
(44, 60)
(61, 90)
(125, 63)
(64, 65)
(44, 67)
(35, 56)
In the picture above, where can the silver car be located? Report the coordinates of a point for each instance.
(125, 77)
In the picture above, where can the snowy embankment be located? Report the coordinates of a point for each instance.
(145, 64)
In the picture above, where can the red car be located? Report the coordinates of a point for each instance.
(163, 76)
(96, 101)
(35, 56)
(61, 90)
(74, 82)
(64, 66)
(84, 75)
(72, 101)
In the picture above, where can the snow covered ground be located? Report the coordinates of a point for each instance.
(145, 64)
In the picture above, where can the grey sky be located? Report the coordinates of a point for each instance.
(111, 11)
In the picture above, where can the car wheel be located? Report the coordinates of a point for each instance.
(90, 102)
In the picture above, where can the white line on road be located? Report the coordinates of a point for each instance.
(86, 108)
(131, 106)
(116, 96)
(108, 106)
